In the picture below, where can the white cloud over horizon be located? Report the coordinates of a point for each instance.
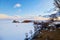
(5, 16)
(2, 16)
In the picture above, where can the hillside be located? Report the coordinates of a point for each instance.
(48, 35)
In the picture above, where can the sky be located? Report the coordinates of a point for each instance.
(22, 8)
(25, 7)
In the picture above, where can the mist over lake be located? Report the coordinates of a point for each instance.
(14, 31)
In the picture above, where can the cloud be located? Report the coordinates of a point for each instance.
(5, 16)
(18, 11)
(40, 18)
(2, 16)
(17, 5)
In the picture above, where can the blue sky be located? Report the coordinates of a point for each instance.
(25, 7)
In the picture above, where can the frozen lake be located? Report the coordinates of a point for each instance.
(14, 31)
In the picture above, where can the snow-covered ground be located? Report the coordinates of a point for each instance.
(14, 31)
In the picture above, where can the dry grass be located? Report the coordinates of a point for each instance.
(50, 35)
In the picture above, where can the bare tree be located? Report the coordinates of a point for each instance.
(31, 32)
(53, 16)
(57, 3)
(26, 34)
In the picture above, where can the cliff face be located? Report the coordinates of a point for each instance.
(48, 35)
